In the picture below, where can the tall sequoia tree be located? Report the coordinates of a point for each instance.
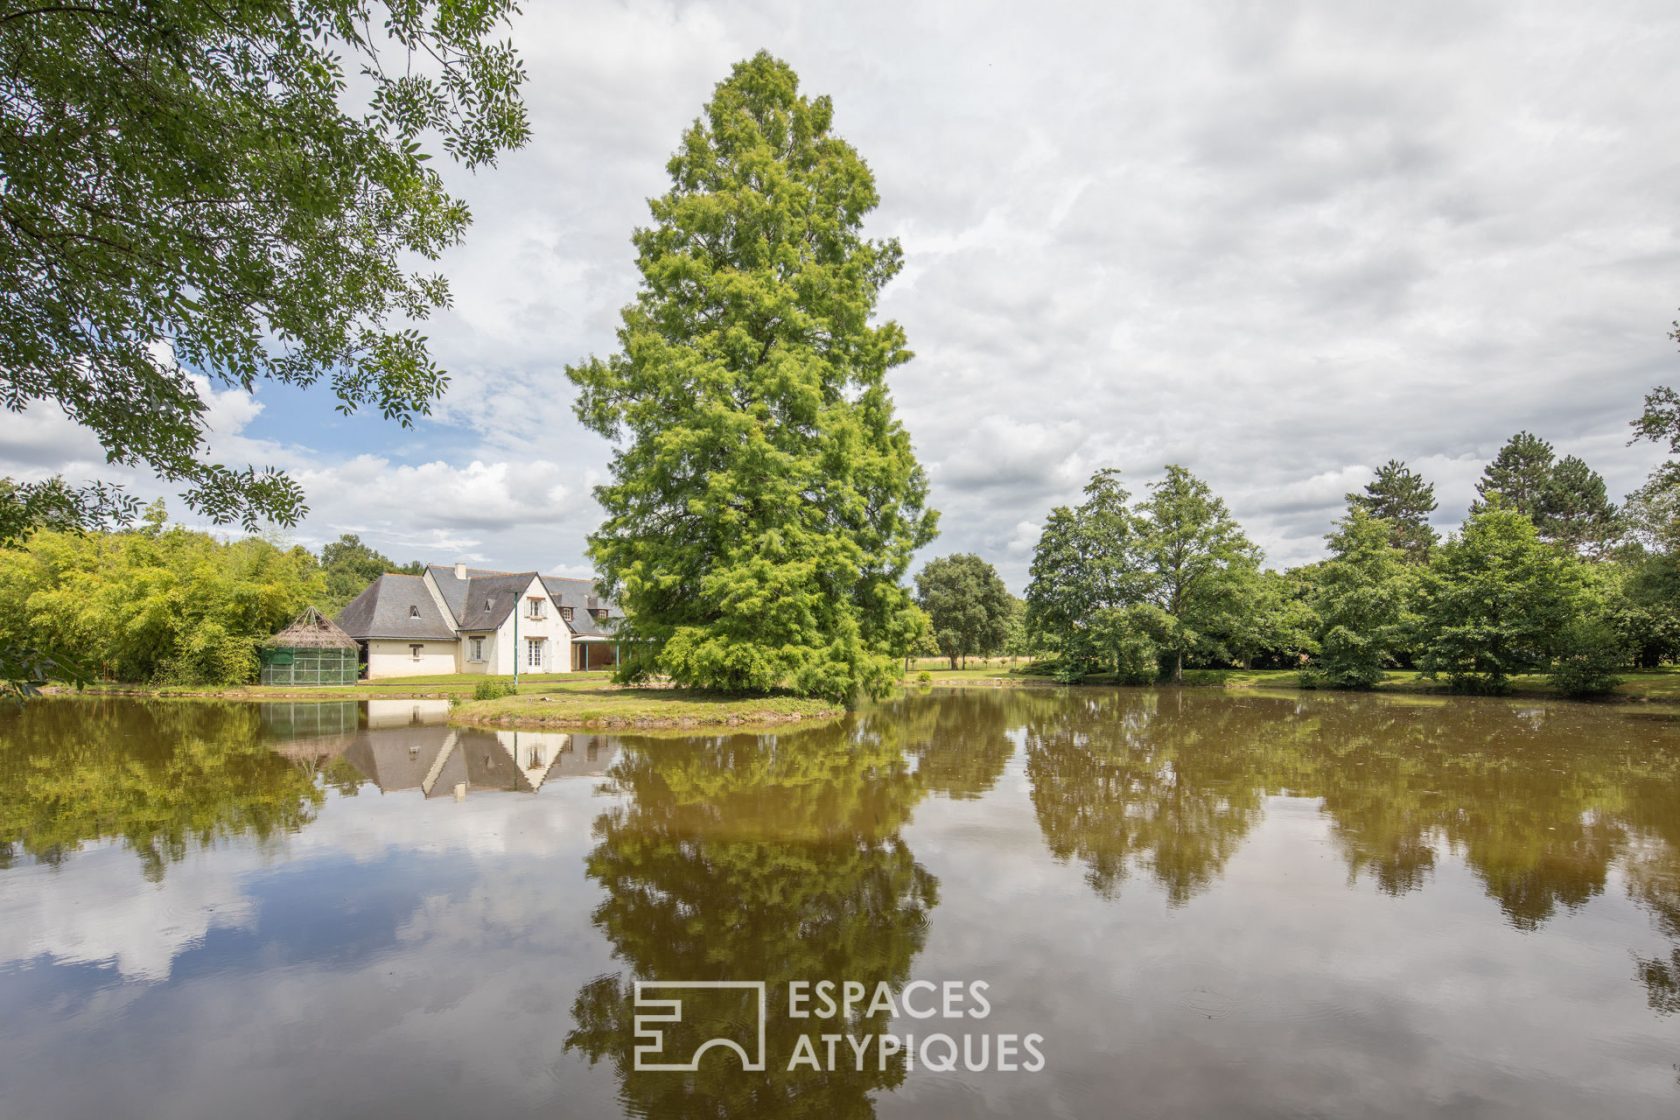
(764, 500)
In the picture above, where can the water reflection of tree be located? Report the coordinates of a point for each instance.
(1531, 799)
(960, 738)
(748, 858)
(159, 776)
(1539, 802)
(1166, 782)
(1654, 873)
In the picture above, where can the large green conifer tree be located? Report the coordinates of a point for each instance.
(764, 500)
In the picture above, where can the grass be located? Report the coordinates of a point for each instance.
(608, 706)
(590, 692)
(1649, 685)
(437, 687)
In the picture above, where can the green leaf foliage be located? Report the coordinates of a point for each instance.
(1084, 567)
(1172, 573)
(1201, 569)
(153, 605)
(969, 607)
(1497, 601)
(765, 500)
(1359, 596)
(190, 185)
(1566, 499)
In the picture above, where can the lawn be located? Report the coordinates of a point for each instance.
(434, 687)
(1654, 685)
(603, 705)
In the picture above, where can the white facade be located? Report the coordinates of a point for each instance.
(457, 620)
(536, 619)
(513, 640)
(389, 657)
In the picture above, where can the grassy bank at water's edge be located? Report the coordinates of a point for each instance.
(608, 706)
(595, 692)
(1650, 685)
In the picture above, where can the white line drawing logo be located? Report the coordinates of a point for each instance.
(651, 1038)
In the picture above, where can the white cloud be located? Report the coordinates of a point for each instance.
(1272, 245)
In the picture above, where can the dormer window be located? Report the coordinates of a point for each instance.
(598, 613)
(414, 612)
(566, 613)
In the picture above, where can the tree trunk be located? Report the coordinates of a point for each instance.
(953, 663)
(1178, 666)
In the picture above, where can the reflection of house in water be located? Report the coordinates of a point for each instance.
(406, 713)
(436, 759)
(404, 744)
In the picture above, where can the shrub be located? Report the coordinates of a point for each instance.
(1137, 659)
(1591, 658)
(493, 689)
(924, 677)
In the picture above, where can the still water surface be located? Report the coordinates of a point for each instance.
(1204, 905)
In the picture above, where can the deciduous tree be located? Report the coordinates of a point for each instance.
(1497, 601)
(189, 186)
(1200, 567)
(1359, 595)
(968, 604)
(1086, 567)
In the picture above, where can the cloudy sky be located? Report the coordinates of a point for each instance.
(1278, 244)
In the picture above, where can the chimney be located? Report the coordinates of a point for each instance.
(460, 569)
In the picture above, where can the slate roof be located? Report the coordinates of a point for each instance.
(490, 599)
(582, 596)
(398, 758)
(482, 600)
(397, 607)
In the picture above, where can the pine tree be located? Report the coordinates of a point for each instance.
(1577, 512)
(764, 500)
(1520, 475)
(1402, 499)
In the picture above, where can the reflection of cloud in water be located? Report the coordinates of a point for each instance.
(98, 910)
(101, 911)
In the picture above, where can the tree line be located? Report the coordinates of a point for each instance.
(163, 604)
(1546, 574)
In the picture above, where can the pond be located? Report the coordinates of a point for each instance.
(990, 902)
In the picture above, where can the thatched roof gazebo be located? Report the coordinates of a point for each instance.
(312, 650)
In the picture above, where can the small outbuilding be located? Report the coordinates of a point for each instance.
(311, 651)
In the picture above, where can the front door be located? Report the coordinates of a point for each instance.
(534, 649)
